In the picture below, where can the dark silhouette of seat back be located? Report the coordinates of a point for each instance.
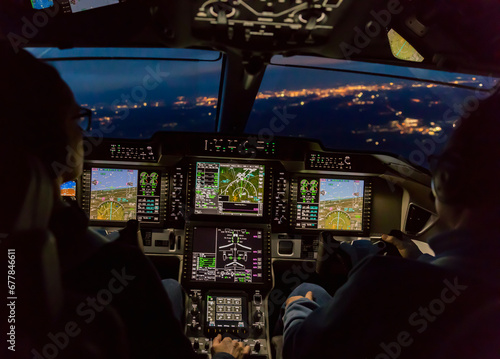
(43, 309)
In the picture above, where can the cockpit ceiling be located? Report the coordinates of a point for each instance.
(452, 35)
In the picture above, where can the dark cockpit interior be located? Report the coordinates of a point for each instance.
(236, 209)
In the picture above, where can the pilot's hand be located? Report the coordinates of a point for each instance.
(227, 345)
(309, 295)
(406, 247)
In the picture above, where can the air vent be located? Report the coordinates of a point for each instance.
(417, 219)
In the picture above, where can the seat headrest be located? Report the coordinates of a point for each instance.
(26, 192)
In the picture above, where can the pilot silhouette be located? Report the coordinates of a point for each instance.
(40, 114)
(419, 305)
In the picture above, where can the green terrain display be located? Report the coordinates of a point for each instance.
(240, 184)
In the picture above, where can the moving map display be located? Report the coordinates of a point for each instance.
(329, 203)
(229, 189)
(124, 194)
(227, 255)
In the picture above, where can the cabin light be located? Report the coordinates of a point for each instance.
(369, 140)
(376, 143)
(302, 103)
(145, 104)
(480, 85)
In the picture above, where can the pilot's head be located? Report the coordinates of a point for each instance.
(38, 114)
(467, 173)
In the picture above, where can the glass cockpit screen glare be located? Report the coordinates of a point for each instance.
(329, 203)
(124, 194)
(227, 255)
(229, 189)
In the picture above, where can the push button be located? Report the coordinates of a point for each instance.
(285, 247)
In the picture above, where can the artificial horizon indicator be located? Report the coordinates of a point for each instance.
(124, 194)
(68, 189)
(330, 203)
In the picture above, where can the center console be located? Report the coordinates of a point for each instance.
(227, 276)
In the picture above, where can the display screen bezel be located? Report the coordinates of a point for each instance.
(366, 204)
(188, 257)
(231, 218)
(195, 239)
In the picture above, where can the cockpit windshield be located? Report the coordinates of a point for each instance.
(134, 93)
(361, 106)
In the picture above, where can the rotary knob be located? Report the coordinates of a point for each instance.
(257, 316)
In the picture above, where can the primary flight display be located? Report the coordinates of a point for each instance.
(124, 194)
(330, 203)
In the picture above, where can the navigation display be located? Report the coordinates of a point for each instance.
(229, 189)
(124, 194)
(227, 255)
(330, 203)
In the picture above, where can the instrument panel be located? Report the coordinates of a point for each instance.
(293, 186)
(225, 207)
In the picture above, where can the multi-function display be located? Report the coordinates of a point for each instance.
(229, 189)
(330, 203)
(124, 194)
(227, 255)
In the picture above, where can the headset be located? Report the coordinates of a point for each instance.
(455, 175)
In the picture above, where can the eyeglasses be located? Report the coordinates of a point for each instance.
(84, 119)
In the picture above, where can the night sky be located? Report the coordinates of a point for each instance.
(103, 84)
